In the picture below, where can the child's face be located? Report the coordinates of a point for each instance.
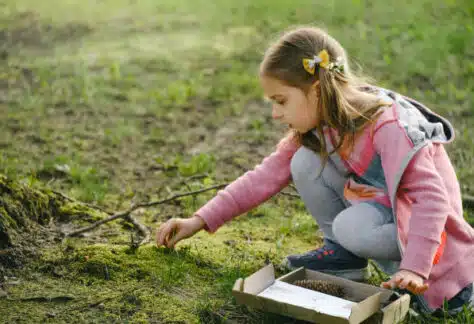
(292, 106)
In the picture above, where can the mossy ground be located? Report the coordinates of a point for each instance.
(117, 101)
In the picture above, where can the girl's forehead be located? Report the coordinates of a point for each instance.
(274, 87)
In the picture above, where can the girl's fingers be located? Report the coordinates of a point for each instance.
(387, 285)
(169, 231)
(404, 283)
(390, 284)
(417, 288)
(424, 288)
(421, 289)
(398, 280)
(172, 232)
(164, 231)
(158, 235)
(175, 239)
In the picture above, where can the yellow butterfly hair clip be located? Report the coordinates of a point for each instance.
(322, 59)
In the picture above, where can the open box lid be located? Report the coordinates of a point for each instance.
(262, 291)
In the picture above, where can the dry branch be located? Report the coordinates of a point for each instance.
(142, 228)
(126, 213)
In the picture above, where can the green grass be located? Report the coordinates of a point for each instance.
(123, 100)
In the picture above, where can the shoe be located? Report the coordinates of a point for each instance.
(332, 259)
(464, 298)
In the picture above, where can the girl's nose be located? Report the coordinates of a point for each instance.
(275, 114)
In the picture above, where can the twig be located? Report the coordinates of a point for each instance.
(197, 176)
(292, 186)
(62, 195)
(126, 213)
(43, 299)
(98, 223)
(142, 228)
(191, 193)
(6, 251)
(289, 194)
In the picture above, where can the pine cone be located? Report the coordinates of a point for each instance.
(325, 287)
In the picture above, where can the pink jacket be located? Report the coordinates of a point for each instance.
(435, 240)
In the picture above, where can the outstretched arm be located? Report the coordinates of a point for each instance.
(251, 189)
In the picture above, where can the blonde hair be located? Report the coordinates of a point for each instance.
(345, 103)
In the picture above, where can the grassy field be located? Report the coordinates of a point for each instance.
(116, 101)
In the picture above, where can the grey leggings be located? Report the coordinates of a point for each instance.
(365, 229)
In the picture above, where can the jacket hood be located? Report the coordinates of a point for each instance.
(418, 120)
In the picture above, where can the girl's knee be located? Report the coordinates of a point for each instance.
(303, 162)
(342, 229)
(349, 233)
(367, 232)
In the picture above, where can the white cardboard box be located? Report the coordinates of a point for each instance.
(262, 291)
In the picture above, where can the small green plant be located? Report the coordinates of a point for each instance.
(91, 186)
(201, 163)
(175, 94)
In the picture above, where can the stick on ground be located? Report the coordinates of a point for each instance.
(126, 213)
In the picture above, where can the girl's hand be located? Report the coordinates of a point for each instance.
(405, 279)
(176, 229)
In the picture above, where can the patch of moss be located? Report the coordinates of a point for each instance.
(5, 219)
(150, 285)
(22, 203)
(25, 214)
(76, 211)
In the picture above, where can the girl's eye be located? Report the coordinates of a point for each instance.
(281, 102)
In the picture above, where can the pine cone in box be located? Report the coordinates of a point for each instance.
(325, 287)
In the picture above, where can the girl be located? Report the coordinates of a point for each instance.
(371, 168)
